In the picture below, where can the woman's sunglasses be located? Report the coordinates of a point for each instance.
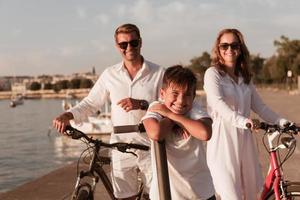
(132, 43)
(233, 46)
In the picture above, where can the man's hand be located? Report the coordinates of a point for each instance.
(160, 109)
(129, 104)
(62, 121)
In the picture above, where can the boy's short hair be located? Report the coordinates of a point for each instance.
(127, 28)
(181, 76)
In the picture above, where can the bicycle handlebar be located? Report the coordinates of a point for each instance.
(273, 127)
(121, 146)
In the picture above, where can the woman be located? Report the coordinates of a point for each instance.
(231, 152)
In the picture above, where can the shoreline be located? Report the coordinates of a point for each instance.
(81, 93)
(48, 94)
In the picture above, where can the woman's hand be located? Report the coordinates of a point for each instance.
(253, 124)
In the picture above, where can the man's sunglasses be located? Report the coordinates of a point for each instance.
(132, 43)
(233, 46)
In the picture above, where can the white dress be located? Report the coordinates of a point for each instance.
(231, 152)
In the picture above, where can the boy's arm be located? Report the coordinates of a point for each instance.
(157, 130)
(200, 129)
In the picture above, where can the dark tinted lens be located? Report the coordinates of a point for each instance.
(134, 43)
(123, 45)
(235, 46)
(224, 46)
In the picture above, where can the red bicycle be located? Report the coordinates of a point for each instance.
(275, 186)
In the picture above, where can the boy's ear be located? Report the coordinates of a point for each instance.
(161, 93)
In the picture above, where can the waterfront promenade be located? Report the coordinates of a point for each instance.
(58, 184)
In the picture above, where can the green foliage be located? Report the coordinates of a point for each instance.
(35, 86)
(86, 83)
(48, 86)
(63, 84)
(288, 58)
(199, 65)
(74, 83)
(256, 65)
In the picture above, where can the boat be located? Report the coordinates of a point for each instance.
(16, 100)
(99, 124)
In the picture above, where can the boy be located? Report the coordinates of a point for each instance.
(182, 123)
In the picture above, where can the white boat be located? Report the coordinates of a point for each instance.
(16, 100)
(100, 124)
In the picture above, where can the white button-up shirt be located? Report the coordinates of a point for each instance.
(115, 84)
(231, 152)
(188, 171)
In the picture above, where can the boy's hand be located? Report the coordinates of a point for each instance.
(180, 131)
(160, 109)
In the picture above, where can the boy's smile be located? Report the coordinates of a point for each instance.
(178, 99)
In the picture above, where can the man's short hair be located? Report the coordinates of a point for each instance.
(127, 28)
(180, 76)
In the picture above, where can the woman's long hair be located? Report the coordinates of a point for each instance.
(242, 64)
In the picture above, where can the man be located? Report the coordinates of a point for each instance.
(130, 86)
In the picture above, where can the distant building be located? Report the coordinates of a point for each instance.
(18, 88)
(5, 84)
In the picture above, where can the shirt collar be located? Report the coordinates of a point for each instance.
(145, 67)
(240, 79)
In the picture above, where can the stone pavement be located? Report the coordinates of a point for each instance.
(57, 185)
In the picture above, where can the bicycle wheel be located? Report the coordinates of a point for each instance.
(83, 193)
(292, 192)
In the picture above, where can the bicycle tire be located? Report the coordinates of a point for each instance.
(83, 193)
(292, 191)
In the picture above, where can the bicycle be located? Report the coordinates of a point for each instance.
(84, 190)
(275, 185)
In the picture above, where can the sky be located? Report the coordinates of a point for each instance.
(72, 36)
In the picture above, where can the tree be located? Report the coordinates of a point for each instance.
(74, 83)
(256, 65)
(86, 83)
(288, 54)
(199, 65)
(63, 84)
(35, 86)
(48, 86)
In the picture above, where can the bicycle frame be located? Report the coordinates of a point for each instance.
(96, 166)
(85, 190)
(274, 178)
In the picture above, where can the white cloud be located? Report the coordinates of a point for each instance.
(16, 32)
(172, 30)
(121, 10)
(100, 45)
(70, 51)
(102, 19)
(81, 12)
(142, 11)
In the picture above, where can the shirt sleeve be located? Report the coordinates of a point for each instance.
(93, 102)
(153, 115)
(216, 101)
(259, 107)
